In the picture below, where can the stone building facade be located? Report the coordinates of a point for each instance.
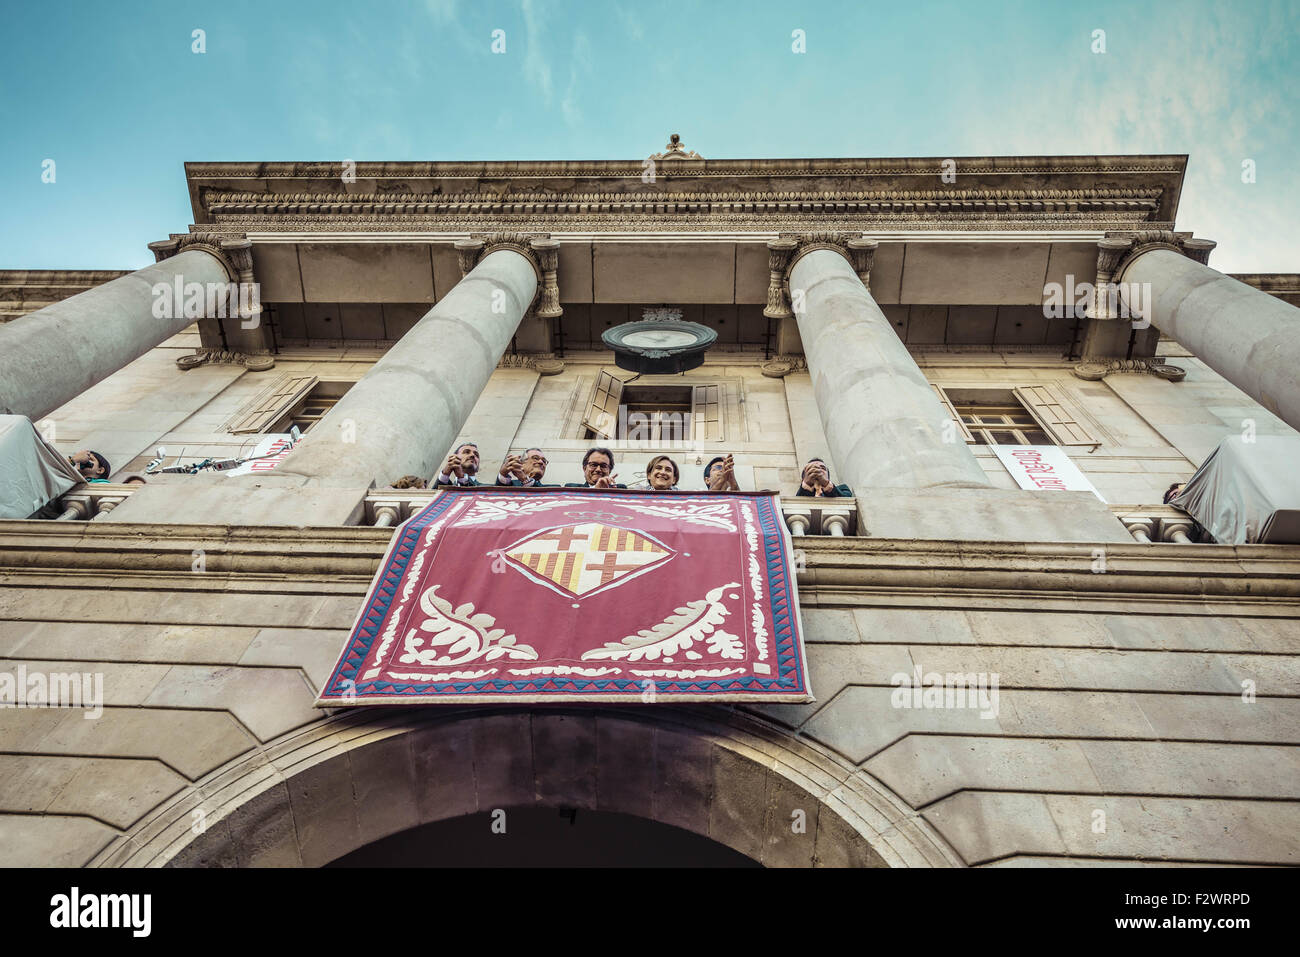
(870, 312)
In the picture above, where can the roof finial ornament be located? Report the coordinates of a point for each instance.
(676, 151)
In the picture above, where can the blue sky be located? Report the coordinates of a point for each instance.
(113, 93)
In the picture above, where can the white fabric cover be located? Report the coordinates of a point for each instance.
(32, 472)
(1248, 492)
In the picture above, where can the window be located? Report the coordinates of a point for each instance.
(311, 409)
(1026, 415)
(653, 412)
(1002, 425)
(300, 401)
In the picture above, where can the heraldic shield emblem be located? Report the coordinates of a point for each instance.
(510, 595)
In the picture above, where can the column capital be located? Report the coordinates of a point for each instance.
(472, 250)
(1127, 246)
(857, 248)
(233, 252)
(779, 252)
(788, 248)
(244, 341)
(542, 253)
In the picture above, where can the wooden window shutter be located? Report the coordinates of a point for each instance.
(602, 411)
(272, 404)
(1056, 418)
(706, 413)
(952, 411)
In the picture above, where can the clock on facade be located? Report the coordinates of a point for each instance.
(659, 346)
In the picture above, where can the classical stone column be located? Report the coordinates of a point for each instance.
(885, 426)
(1250, 338)
(51, 356)
(404, 414)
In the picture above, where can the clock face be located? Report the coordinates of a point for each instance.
(658, 339)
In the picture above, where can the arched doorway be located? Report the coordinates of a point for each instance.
(356, 777)
(545, 837)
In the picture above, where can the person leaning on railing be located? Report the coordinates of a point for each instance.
(461, 466)
(720, 474)
(816, 482)
(598, 469)
(662, 474)
(92, 465)
(525, 472)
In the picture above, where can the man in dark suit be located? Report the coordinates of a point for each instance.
(527, 472)
(598, 468)
(816, 482)
(461, 466)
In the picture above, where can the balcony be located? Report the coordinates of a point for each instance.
(1148, 524)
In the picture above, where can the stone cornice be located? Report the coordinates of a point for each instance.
(26, 290)
(264, 559)
(685, 200)
(684, 208)
(1123, 190)
(527, 169)
(623, 222)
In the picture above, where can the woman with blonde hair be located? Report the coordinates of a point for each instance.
(662, 474)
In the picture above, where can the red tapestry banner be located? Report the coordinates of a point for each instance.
(516, 595)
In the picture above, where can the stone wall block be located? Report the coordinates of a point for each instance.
(564, 751)
(503, 762)
(442, 767)
(383, 780)
(790, 827)
(625, 771)
(683, 779)
(324, 811)
(738, 812)
(263, 830)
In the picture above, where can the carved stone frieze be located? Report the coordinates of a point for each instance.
(543, 363)
(259, 362)
(783, 365)
(772, 220)
(1097, 369)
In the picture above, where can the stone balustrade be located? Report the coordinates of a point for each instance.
(835, 517)
(92, 501)
(1151, 524)
(1148, 524)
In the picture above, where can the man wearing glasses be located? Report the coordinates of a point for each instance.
(598, 468)
(527, 472)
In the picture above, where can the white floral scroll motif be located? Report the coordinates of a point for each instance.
(679, 632)
(442, 676)
(710, 516)
(756, 585)
(490, 508)
(673, 673)
(454, 636)
(412, 576)
(565, 670)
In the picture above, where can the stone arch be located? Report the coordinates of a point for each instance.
(356, 776)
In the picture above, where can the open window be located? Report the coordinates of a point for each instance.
(601, 420)
(300, 401)
(1025, 415)
(1054, 416)
(653, 412)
